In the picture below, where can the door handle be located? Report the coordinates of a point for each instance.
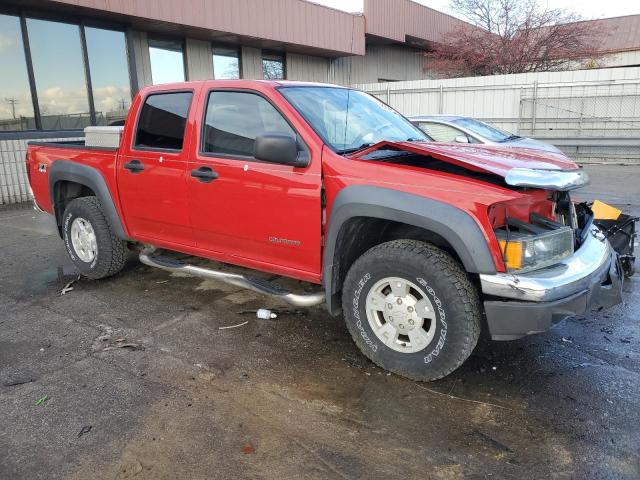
(204, 174)
(134, 166)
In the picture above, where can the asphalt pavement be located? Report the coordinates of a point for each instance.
(133, 377)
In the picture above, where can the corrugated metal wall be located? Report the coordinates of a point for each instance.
(14, 184)
(284, 21)
(140, 51)
(593, 115)
(381, 63)
(307, 68)
(251, 63)
(199, 59)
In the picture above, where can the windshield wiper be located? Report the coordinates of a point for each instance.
(511, 137)
(345, 151)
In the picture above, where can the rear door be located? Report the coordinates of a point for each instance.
(152, 170)
(262, 215)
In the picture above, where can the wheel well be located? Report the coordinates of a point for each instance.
(63, 192)
(359, 234)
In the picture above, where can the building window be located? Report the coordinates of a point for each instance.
(273, 66)
(234, 120)
(64, 76)
(109, 71)
(167, 61)
(162, 121)
(58, 69)
(226, 63)
(16, 104)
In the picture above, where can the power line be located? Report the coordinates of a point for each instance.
(12, 101)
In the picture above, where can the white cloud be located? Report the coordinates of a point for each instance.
(110, 98)
(6, 42)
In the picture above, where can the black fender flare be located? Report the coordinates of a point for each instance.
(456, 226)
(65, 170)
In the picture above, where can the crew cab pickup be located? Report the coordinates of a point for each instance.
(419, 245)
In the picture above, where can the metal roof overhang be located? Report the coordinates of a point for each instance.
(293, 25)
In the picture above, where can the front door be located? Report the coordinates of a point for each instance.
(152, 173)
(262, 215)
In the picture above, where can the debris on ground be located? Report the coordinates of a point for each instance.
(247, 448)
(586, 364)
(626, 340)
(233, 326)
(352, 362)
(567, 339)
(608, 330)
(41, 400)
(492, 441)
(15, 383)
(107, 332)
(265, 314)
(296, 311)
(130, 346)
(69, 286)
(85, 429)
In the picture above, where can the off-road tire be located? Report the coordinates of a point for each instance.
(111, 251)
(454, 297)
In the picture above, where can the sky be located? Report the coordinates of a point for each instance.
(586, 8)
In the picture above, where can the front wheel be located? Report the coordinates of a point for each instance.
(93, 247)
(412, 309)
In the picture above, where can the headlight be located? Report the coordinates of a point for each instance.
(525, 251)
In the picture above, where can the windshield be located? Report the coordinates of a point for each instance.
(484, 130)
(348, 120)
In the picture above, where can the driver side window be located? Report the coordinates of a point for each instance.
(233, 120)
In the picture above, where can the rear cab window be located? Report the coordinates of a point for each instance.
(162, 121)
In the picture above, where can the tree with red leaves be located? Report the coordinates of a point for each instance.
(514, 36)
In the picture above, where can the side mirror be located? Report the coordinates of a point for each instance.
(279, 148)
(462, 139)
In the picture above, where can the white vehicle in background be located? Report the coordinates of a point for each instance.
(451, 129)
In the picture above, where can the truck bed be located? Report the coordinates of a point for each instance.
(76, 144)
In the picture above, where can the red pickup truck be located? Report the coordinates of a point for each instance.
(420, 245)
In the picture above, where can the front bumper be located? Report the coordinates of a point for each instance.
(519, 305)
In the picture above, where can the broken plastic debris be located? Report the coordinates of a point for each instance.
(265, 314)
(233, 326)
(128, 346)
(41, 400)
(69, 286)
(248, 448)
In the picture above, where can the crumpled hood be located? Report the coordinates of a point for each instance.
(494, 159)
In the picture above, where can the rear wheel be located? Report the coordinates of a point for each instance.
(93, 247)
(411, 309)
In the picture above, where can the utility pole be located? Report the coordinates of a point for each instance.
(12, 101)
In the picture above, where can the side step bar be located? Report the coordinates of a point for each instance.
(251, 283)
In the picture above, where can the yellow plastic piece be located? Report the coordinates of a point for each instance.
(512, 254)
(602, 211)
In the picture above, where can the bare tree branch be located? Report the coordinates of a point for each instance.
(514, 36)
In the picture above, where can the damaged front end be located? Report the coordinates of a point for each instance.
(557, 259)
